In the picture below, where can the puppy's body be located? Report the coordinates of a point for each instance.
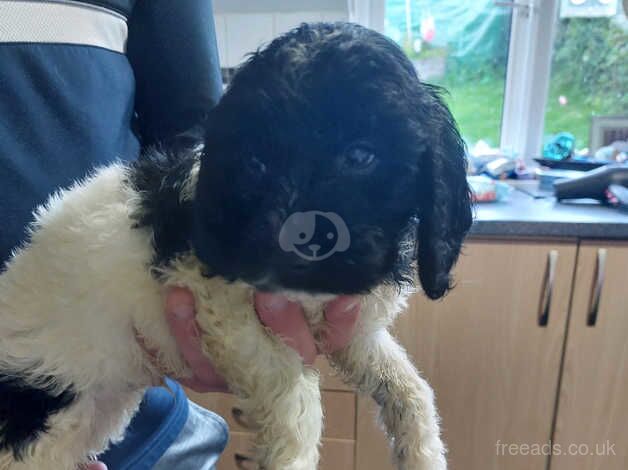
(69, 332)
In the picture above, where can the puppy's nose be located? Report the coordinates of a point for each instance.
(314, 247)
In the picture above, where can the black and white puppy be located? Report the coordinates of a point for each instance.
(327, 168)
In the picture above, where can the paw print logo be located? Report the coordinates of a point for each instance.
(314, 235)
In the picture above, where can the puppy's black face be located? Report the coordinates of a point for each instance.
(320, 158)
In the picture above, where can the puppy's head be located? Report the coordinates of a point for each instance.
(328, 133)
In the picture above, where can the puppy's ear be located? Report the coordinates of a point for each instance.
(444, 203)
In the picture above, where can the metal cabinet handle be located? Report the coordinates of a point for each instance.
(238, 416)
(244, 462)
(546, 296)
(600, 269)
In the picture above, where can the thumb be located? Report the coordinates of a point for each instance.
(93, 466)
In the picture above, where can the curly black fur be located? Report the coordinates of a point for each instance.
(277, 143)
(159, 175)
(25, 410)
(283, 139)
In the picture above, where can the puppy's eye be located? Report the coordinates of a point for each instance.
(359, 157)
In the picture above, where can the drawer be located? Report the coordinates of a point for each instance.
(339, 410)
(336, 454)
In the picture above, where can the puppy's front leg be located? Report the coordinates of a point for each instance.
(277, 395)
(377, 365)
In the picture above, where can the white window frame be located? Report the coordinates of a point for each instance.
(532, 34)
(369, 13)
(528, 71)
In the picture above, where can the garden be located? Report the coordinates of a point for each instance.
(463, 46)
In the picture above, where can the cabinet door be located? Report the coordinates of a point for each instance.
(592, 421)
(336, 454)
(339, 410)
(494, 368)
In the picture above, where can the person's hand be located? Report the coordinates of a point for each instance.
(93, 466)
(283, 317)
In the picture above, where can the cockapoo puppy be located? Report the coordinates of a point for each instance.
(327, 168)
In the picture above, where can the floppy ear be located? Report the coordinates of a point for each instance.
(445, 213)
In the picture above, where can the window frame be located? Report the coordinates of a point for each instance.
(528, 73)
(533, 28)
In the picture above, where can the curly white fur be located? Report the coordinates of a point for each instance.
(72, 298)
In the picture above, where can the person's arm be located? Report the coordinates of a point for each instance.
(173, 52)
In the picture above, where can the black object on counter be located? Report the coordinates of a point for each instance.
(570, 164)
(592, 184)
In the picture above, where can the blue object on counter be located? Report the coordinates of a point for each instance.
(560, 147)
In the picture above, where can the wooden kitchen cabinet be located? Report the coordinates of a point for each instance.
(512, 358)
(339, 409)
(495, 370)
(593, 399)
(336, 454)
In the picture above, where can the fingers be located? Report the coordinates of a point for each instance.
(93, 466)
(285, 319)
(341, 315)
(180, 315)
(97, 466)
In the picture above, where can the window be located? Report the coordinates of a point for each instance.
(589, 75)
(463, 46)
(518, 71)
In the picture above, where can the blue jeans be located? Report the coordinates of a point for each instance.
(169, 433)
(200, 443)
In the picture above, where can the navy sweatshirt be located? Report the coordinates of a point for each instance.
(67, 108)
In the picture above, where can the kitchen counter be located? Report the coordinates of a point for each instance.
(528, 216)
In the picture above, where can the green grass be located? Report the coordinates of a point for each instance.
(574, 117)
(477, 106)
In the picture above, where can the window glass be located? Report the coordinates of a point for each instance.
(589, 78)
(463, 46)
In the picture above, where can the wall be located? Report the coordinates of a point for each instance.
(272, 6)
(242, 26)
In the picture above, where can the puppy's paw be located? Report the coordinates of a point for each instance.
(424, 463)
(430, 455)
(436, 462)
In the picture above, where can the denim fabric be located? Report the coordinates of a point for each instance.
(200, 443)
(160, 419)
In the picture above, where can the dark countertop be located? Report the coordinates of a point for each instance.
(528, 216)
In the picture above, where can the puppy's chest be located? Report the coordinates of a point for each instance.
(218, 300)
(223, 307)
(313, 307)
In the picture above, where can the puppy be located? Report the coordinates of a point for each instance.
(327, 168)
